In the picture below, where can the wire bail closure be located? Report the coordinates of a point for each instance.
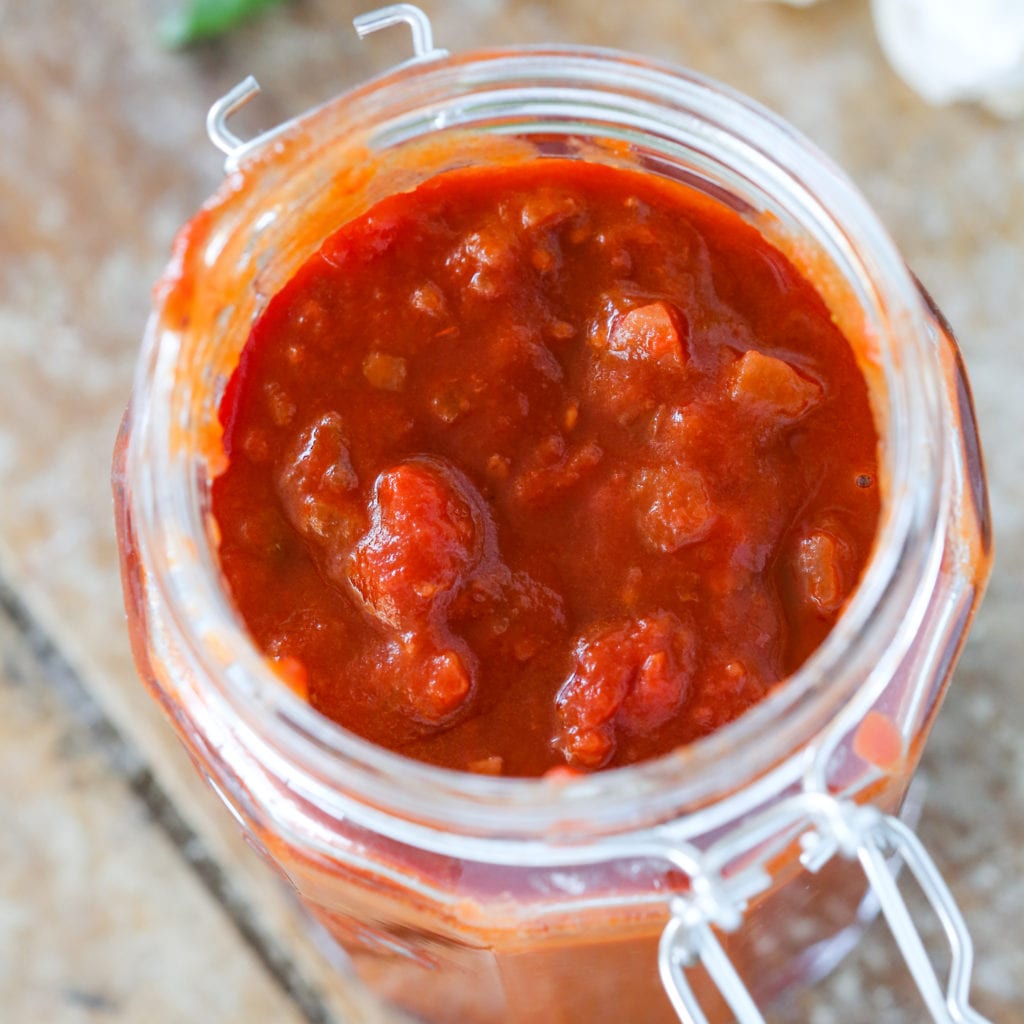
(824, 826)
(235, 148)
(398, 14)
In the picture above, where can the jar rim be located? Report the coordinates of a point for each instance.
(765, 743)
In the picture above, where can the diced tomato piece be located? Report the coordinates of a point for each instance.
(425, 537)
(384, 371)
(773, 387)
(280, 404)
(315, 478)
(656, 332)
(483, 260)
(444, 687)
(632, 678)
(560, 330)
(552, 469)
(824, 568)
(428, 298)
(451, 402)
(673, 508)
(655, 693)
(547, 208)
(427, 683)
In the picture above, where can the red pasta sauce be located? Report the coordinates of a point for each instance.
(552, 465)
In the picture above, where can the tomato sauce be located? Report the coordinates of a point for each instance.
(544, 466)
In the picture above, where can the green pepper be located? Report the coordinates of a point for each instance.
(196, 20)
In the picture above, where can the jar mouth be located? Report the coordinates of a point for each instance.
(738, 147)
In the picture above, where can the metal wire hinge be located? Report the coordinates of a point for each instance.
(235, 148)
(824, 826)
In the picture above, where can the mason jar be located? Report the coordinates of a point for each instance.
(696, 886)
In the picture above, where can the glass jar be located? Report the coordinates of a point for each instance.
(729, 864)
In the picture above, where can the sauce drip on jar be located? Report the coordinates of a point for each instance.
(544, 465)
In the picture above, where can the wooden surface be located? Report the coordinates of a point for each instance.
(125, 893)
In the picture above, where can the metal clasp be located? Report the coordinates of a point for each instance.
(880, 834)
(399, 14)
(829, 826)
(235, 148)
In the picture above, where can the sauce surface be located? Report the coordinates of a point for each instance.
(544, 465)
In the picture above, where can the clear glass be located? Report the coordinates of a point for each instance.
(462, 897)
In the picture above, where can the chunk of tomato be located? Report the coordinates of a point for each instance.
(425, 537)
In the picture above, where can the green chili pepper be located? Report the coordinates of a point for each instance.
(196, 20)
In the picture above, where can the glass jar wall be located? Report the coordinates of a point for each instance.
(467, 898)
